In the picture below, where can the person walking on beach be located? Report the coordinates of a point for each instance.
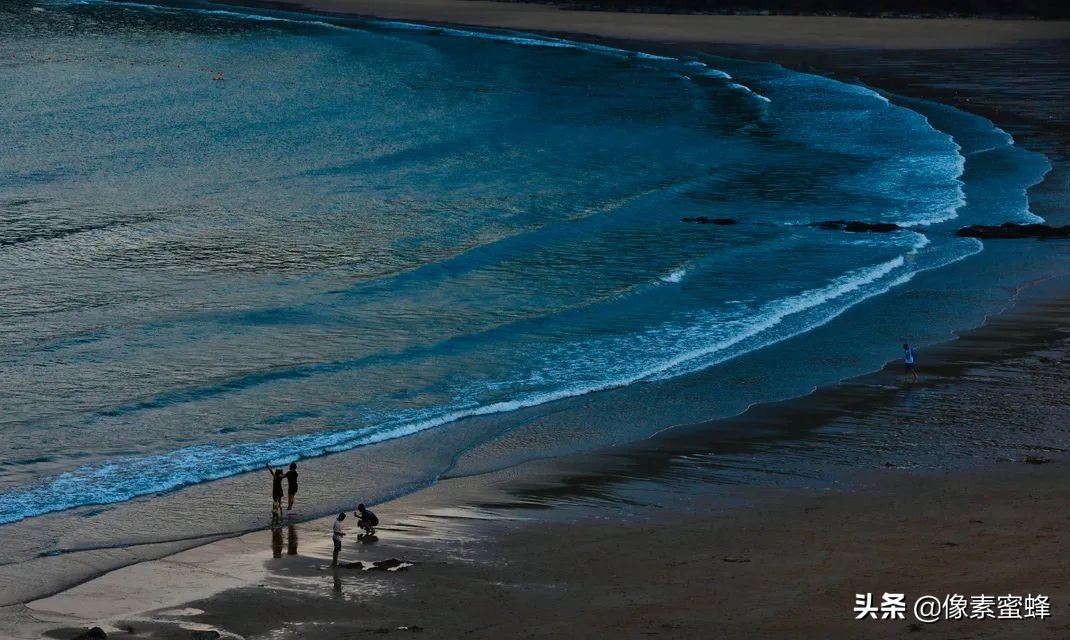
(367, 520)
(338, 533)
(276, 483)
(908, 360)
(291, 481)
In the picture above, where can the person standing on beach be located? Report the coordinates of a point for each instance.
(291, 489)
(276, 483)
(908, 360)
(337, 534)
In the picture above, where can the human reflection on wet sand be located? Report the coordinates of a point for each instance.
(291, 541)
(276, 542)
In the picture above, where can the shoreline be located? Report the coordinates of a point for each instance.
(519, 470)
(468, 518)
(788, 32)
(503, 525)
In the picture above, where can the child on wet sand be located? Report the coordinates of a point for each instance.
(276, 511)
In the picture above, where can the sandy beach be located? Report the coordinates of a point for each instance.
(782, 31)
(649, 539)
(616, 545)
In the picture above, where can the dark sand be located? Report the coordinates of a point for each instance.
(690, 30)
(785, 566)
(649, 539)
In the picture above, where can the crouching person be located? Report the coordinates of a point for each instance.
(366, 520)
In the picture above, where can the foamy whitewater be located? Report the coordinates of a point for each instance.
(235, 237)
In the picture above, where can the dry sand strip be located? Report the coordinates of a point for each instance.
(787, 31)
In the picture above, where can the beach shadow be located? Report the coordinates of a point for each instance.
(291, 540)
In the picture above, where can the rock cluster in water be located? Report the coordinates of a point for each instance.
(1010, 230)
(705, 220)
(854, 226)
(392, 564)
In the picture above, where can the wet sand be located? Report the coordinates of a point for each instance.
(782, 566)
(783, 31)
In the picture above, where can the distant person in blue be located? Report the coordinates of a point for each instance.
(908, 360)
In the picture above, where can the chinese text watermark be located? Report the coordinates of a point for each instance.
(928, 608)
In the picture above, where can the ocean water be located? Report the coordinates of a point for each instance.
(229, 237)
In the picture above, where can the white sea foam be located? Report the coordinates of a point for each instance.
(717, 73)
(108, 483)
(746, 89)
(240, 15)
(675, 276)
(920, 242)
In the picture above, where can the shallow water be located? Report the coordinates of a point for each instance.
(366, 230)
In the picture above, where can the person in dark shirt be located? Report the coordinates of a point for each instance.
(276, 483)
(366, 520)
(291, 489)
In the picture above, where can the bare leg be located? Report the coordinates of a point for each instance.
(291, 503)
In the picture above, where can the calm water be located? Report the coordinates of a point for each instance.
(231, 238)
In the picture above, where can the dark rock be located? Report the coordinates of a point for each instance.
(705, 220)
(1012, 231)
(853, 226)
(96, 633)
(1036, 460)
(731, 559)
(204, 635)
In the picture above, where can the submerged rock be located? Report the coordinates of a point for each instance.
(393, 564)
(705, 220)
(854, 226)
(205, 635)
(1011, 230)
(1037, 460)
